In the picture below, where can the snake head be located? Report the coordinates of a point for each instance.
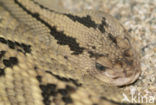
(121, 67)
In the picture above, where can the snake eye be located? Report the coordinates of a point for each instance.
(100, 67)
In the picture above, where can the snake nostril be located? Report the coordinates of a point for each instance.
(127, 53)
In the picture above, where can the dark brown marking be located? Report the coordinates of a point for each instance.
(13, 45)
(95, 55)
(10, 62)
(66, 57)
(87, 21)
(63, 39)
(2, 53)
(2, 40)
(66, 94)
(39, 78)
(101, 26)
(93, 47)
(112, 38)
(2, 73)
(65, 79)
(67, 99)
(48, 90)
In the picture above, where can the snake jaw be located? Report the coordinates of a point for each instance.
(119, 77)
(121, 72)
